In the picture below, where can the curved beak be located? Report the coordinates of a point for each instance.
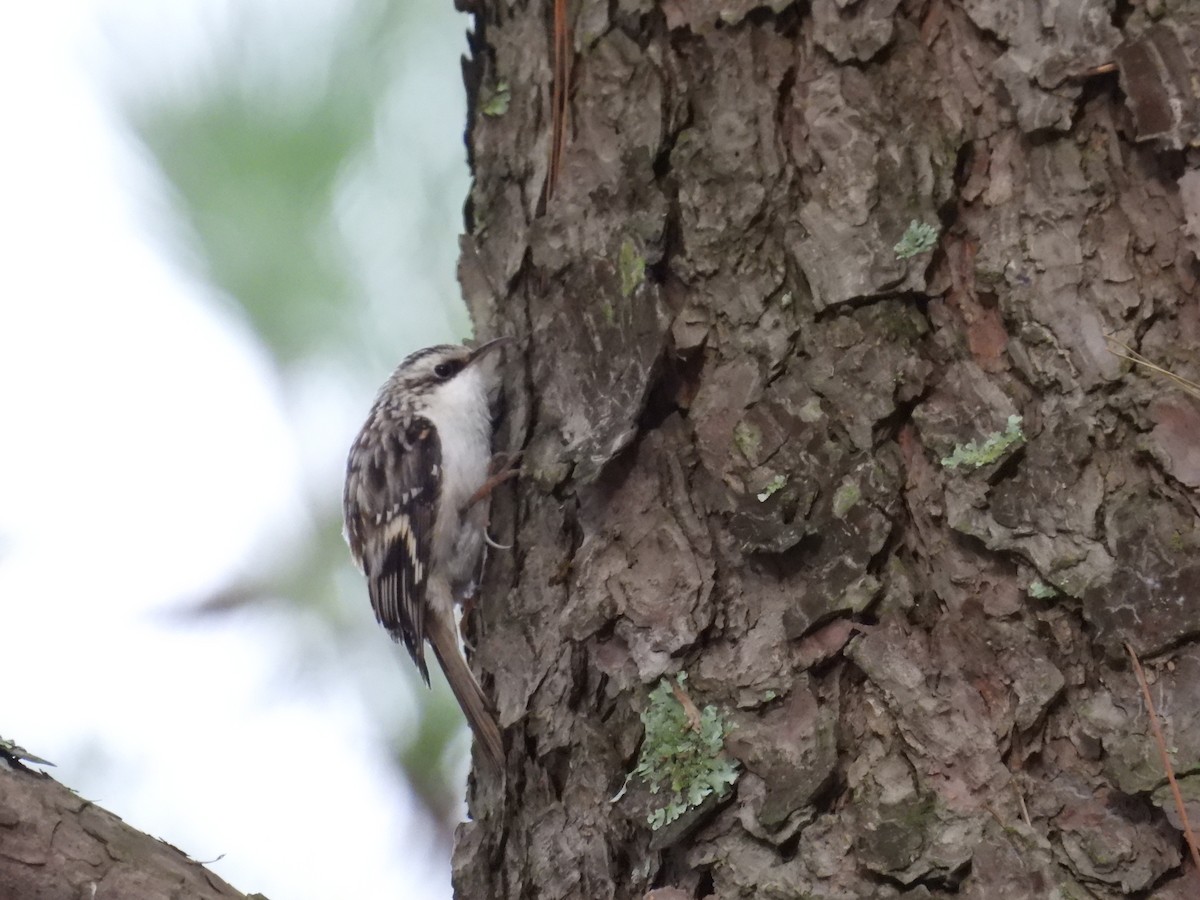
(485, 348)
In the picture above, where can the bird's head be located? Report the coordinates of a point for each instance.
(448, 372)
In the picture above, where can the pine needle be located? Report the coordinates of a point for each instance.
(559, 95)
(1188, 387)
(1156, 727)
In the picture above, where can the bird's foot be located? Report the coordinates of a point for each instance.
(503, 468)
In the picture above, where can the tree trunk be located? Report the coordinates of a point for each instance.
(817, 407)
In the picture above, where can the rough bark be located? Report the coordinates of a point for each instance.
(739, 406)
(54, 845)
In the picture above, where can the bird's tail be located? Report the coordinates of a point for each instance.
(466, 689)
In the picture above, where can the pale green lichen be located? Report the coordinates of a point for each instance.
(811, 411)
(774, 486)
(995, 446)
(845, 497)
(747, 439)
(688, 762)
(631, 266)
(496, 104)
(1042, 591)
(918, 238)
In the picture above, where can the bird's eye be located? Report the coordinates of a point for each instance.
(443, 370)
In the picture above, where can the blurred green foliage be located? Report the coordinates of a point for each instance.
(320, 171)
(270, 146)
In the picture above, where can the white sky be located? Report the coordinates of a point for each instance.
(143, 454)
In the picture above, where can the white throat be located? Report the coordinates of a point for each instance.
(458, 409)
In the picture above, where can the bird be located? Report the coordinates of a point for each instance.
(415, 504)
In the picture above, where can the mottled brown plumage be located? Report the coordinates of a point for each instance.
(411, 518)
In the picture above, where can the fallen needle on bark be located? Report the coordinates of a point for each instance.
(1166, 758)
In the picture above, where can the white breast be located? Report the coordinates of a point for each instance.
(459, 412)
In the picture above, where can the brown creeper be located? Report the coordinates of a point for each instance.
(416, 510)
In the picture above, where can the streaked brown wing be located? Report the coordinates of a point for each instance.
(392, 484)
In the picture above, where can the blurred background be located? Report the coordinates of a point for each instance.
(221, 225)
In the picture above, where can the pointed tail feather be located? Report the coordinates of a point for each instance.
(466, 689)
